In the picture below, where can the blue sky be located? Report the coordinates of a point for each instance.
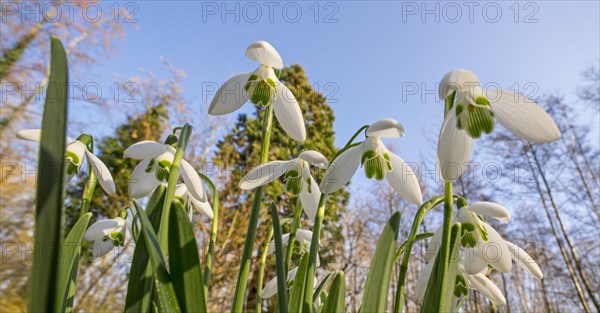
(362, 54)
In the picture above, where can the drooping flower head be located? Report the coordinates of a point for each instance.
(473, 111)
(262, 87)
(107, 234)
(297, 176)
(154, 168)
(377, 161)
(481, 248)
(75, 152)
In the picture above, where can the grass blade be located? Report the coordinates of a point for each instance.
(166, 298)
(432, 300)
(141, 283)
(49, 194)
(376, 289)
(297, 295)
(281, 270)
(69, 255)
(337, 294)
(185, 262)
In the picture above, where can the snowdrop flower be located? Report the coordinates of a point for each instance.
(463, 282)
(303, 237)
(153, 170)
(262, 87)
(474, 113)
(76, 150)
(106, 234)
(377, 161)
(191, 203)
(298, 179)
(479, 281)
(483, 245)
(270, 288)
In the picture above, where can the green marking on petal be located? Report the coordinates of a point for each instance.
(118, 238)
(150, 166)
(162, 170)
(468, 238)
(261, 92)
(484, 233)
(293, 181)
(460, 287)
(480, 120)
(308, 184)
(74, 158)
(373, 165)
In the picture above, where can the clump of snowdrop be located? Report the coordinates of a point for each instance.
(297, 176)
(378, 163)
(473, 111)
(262, 87)
(76, 151)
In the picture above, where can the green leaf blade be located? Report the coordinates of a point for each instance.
(49, 194)
(185, 265)
(297, 295)
(337, 293)
(378, 281)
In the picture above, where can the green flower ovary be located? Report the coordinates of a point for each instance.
(293, 182)
(468, 238)
(374, 164)
(460, 287)
(475, 118)
(74, 163)
(261, 91)
(162, 170)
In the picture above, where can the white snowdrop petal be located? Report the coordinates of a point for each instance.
(314, 158)
(231, 96)
(454, 149)
(103, 228)
(264, 53)
(523, 117)
(525, 260)
(457, 80)
(423, 280)
(310, 200)
(142, 183)
(203, 207)
(79, 149)
(494, 251)
(341, 170)
(403, 180)
(288, 113)
(145, 150)
(105, 179)
(30, 134)
(266, 173)
(484, 285)
(192, 181)
(387, 128)
(490, 209)
(101, 247)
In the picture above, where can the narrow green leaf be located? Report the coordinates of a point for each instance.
(49, 194)
(141, 283)
(322, 284)
(432, 300)
(337, 294)
(186, 272)
(69, 254)
(280, 260)
(297, 294)
(376, 289)
(166, 298)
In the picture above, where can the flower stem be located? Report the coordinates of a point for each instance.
(423, 210)
(88, 191)
(280, 268)
(445, 248)
(314, 248)
(242, 282)
(163, 235)
(292, 239)
(261, 268)
(213, 231)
